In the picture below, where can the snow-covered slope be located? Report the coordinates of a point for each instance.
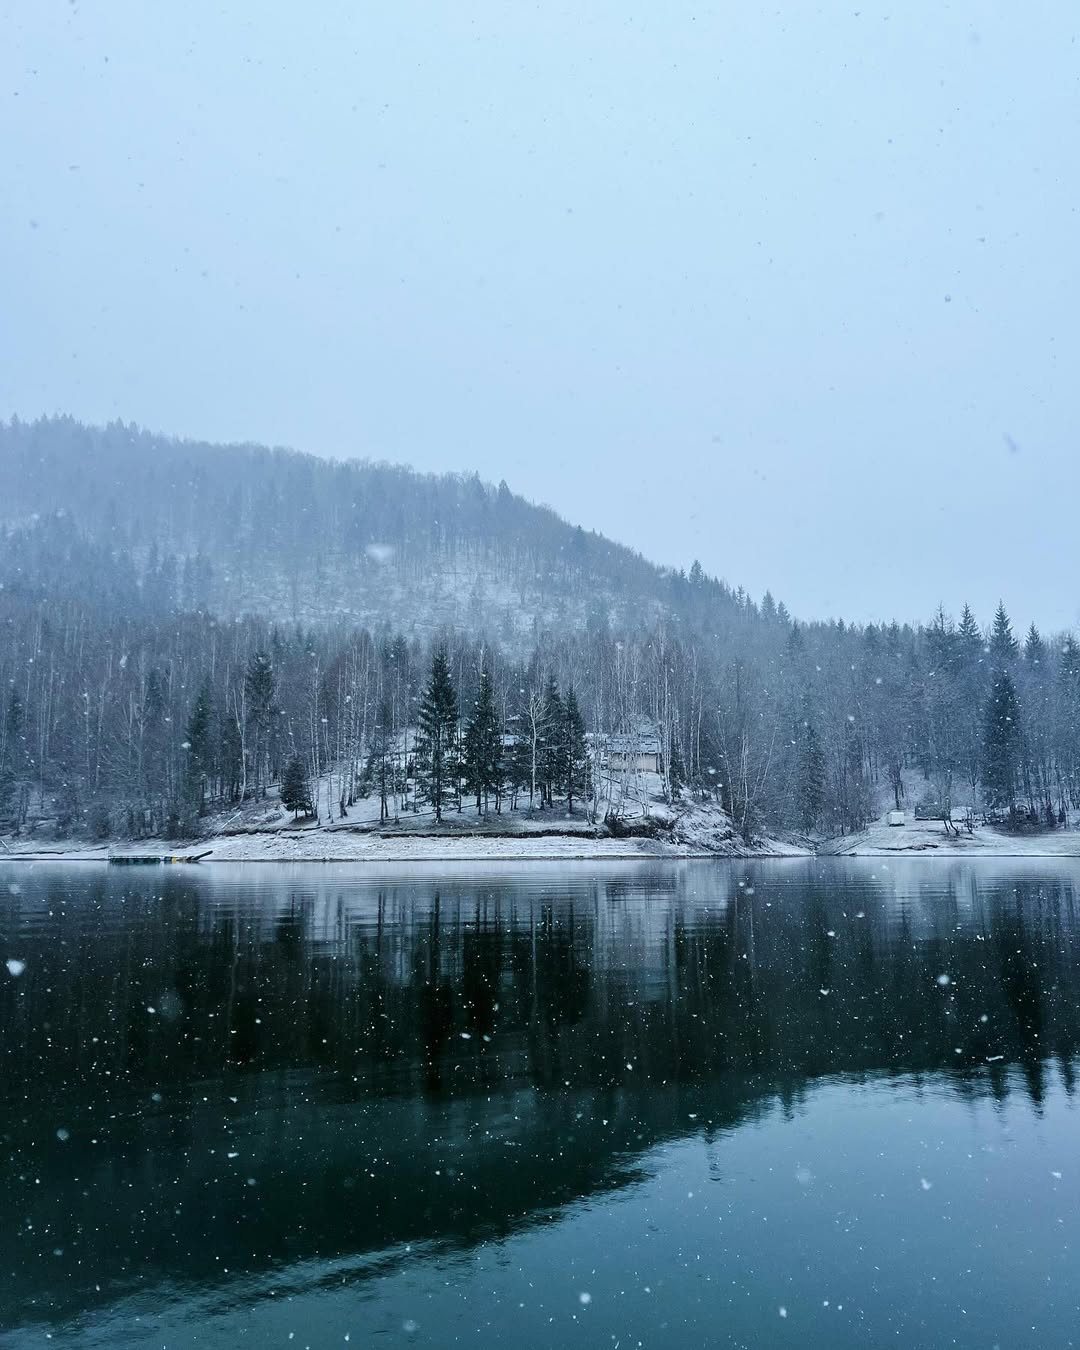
(133, 520)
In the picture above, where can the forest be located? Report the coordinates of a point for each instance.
(137, 702)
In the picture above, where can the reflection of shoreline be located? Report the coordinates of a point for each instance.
(451, 1058)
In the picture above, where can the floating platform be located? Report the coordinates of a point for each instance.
(150, 859)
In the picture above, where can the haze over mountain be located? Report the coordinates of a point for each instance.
(248, 530)
(786, 288)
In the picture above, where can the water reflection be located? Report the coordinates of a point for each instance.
(252, 1068)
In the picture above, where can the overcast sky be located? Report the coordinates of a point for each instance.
(793, 289)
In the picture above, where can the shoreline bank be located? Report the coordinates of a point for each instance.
(331, 847)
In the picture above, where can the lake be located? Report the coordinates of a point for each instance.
(801, 1103)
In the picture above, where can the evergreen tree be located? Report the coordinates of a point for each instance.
(11, 750)
(676, 769)
(1002, 741)
(517, 761)
(971, 675)
(553, 742)
(1036, 700)
(259, 689)
(483, 745)
(437, 742)
(11, 754)
(856, 804)
(1067, 720)
(197, 764)
(295, 791)
(231, 767)
(576, 752)
(380, 769)
(810, 789)
(153, 735)
(1003, 646)
(968, 632)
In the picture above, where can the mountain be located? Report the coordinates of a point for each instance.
(140, 522)
(182, 625)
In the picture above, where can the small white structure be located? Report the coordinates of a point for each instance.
(638, 751)
(895, 817)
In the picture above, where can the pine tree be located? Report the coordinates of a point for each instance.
(153, 735)
(576, 752)
(483, 745)
(517, 760)
(676, 769)
(552, 748)
(1003, 646)
(437, 743)
(295, 792)
(259, 688)
(967, 633)
(380, 764)
(1001, 743)
(971, 674)
(197, 764)
(810, 788)
(1067, 719)
(231, 766)
(1036, 751)
(11, 750)
(11, 739)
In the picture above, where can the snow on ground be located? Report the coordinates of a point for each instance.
(929, 837)
(263, 832)
(346, 846)
(315, 845)
(695, 834)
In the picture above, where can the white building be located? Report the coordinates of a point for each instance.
(636, 751)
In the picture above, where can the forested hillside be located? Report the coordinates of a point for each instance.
(148, 525)
(184, 627)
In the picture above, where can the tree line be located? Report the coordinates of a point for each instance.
(113, 723)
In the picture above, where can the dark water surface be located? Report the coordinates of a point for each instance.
(786, 1104)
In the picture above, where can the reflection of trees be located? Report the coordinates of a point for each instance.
(403, 1063)
(547, 992)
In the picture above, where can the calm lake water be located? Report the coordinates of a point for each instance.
(785, 1104)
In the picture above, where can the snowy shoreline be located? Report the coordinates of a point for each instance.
(333, 846)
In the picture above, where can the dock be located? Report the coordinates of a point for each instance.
(153, 859)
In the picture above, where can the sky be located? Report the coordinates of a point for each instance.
(790, 289)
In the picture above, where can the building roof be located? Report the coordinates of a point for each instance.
(640, 743)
